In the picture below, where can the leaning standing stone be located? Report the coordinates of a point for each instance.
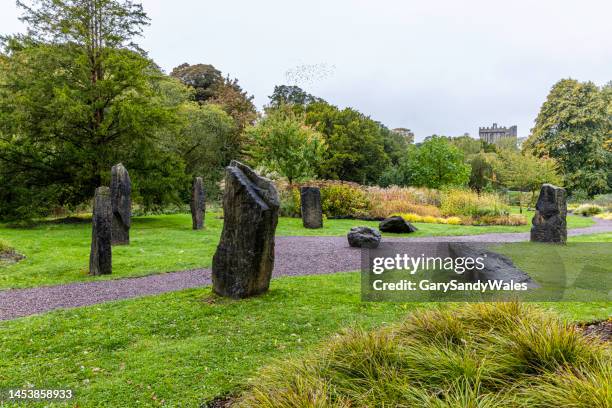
(100, 257)
(121, 198)
(312, 213)
(549, 223)
(198, 204)
(243, 263)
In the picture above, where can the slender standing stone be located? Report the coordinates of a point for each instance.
(121, 198)
(100, 257)
(243, 263)
(549, 223)
(312, 213)
(198, 204)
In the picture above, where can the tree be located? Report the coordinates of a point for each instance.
(470, 146)
(211, 87)
(395, 144)
(78, 96)
(356, 147)
(437, 163)
(572, 127)
(399, 174)
(291, 95)
(482, 171)
(524, 172)
(204, 78)
(281, 142)
(239, 105)
(203, 140)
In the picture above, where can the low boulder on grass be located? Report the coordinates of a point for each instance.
(476, 355)
(397, 225)
(363, 237)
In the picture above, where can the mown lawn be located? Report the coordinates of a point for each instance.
(581, 270)
(184, 348)
(59, 252)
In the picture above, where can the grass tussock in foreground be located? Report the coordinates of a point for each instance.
(478, 355)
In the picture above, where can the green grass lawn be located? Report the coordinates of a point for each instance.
(183, 348)
(59, 253)
(580, 270)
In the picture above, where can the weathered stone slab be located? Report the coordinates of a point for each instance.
(363, 237)
(397, 225)
(312, 212)
(121, 199)
(242, 265)
(496, 267)
(549, 223)
(198, 204)
(100, 257)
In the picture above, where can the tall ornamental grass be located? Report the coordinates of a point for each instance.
(469, 204)
(476, 355)
(387, 201)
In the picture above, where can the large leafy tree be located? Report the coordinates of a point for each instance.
(437, 163)
(525, 172)
(356, 145)
(211, 87)
(281, 142)
(76, 96)
(395, 144)
(204, 78)
(482, 173)
(291, 95)
(239, 105)
(572, 127)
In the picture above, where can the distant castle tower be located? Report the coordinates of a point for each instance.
(494, 133)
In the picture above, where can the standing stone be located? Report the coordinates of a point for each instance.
(549, 224)
(198, 204)
(312, 213)
(100, 257)
(243, 263)
(121, 198)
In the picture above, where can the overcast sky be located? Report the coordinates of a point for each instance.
(444, 67)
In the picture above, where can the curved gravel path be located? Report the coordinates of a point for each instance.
(294, 256)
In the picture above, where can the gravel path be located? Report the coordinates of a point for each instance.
(294, 256)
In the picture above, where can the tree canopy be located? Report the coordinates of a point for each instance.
(76, 96)
(281, 142)
(573, 126)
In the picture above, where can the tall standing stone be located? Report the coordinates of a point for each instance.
(121, 198)
(100, 257)
(198, 204)
(243, 263)
(548, 223)
(312, 213)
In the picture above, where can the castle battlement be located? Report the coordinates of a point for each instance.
(495, 133)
